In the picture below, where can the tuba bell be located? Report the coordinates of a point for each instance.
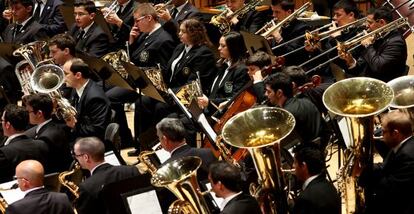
(403, 88)
(48, 79)
(357, 100)
(180, 177)
(259, 130)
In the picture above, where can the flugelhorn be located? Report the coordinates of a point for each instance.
(267, 32)
(259, 130)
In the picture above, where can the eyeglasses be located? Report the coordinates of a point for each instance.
(140, 18)
(75, 155)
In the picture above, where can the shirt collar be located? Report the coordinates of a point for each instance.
(81, 89)
(12, 137)
(125, 4)
(42, 124)
(179, 8)
(25, 21)
(307, 182)
(395, 149)
(94, 168)
(177, 148)
(32, 189)
(86, 29)
(229, 198)
(157, 26)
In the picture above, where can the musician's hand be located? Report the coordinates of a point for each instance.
(277, 36)
(133, 35)
(113, 18)
(347, 57)
(255, 73)
(202, 101)
(222, 105)
(368, 41)
(7, 14)
(335, 34)
(309, 47)
(164, 15)
(234, 20)
(71, 122)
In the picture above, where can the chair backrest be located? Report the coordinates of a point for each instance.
(112, 136)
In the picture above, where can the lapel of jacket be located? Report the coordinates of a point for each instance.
(146, 40)
(183, 13)
(182, 60)
(46, 11)
(24, 30)
(82, 98)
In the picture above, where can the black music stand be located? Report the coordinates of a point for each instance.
(255, 43)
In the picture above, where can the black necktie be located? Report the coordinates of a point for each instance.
(76, 100)
(36, 15)
(174, 12)
(80, 35)
(17, 29)
(119, 10)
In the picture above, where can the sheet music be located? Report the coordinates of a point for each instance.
(146, 202)
(343, 127)
(202, 120)
(161, 153)
(11, 195)
(111, 158)
(217, 200)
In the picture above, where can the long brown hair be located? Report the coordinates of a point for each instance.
(197, 32)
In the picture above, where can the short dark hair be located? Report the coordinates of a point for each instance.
(41, 102)
(281, 81)
(383, 13)
(284, 4)
(78, 65)
(312, 156)
(63, 41)
(297, 74)
(259, 59)
(396, 120)
(88, 5)
(17, 116)
(348, 6)
(93, 147)
(25, 3)
(236, 46)
(172, 128)
(228, 174)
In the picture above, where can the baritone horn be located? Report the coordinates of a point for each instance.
(357, 100)
(403, 88)
(180, 177)
(48, 79)
(259, 130)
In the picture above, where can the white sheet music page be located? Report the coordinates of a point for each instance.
(11, 195)
(202, 120)
(146, 202)
(161, 153)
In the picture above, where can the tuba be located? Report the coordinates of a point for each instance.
(180, 177)
(223, 21)
(48, 79)
(259, 130)
(403, 88)
(357, 100)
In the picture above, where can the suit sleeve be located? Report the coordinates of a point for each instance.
(207, 68)
(96, 118)
(99, 45)
(55, 23)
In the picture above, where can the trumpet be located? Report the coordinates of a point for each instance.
(161, 7)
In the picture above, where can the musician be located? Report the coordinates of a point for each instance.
(30, 176)
(92, 106)
(89, 36)
(120, 21)
(182, 10)
(89, 152)
(250, 22)
(257, 65)
(150, 43)
(225, 180)
(61, 48)
(318, 194)
(171, 133)
(383, 58)
(392, 180)
(25, 29)
(309, 122)
(295, 28)
(40, 108)
(232, 74)
(17, 147)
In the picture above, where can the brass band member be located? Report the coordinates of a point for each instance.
(258, 65)
(225, 180)
(61, 48)
(251, 22)
(89, 36)
(318, 194)
(384, 58)
(30, 175)
(182, 10)
(393, 179)
(24, 29)
(89, 152)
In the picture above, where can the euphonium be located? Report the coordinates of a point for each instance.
(73, 188)
(223, 21)
(180, 177)
(357, 100)
(259, 130)
(48, 79)
(268, 31)
(115, 60)
(403, 88)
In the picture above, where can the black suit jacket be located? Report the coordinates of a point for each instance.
(235, 79)
(19, 149)
(393, 182)
(53, 134)
(383, 60)
(241, 204)
(148, 51)
(319, 197)
(41, 201)
(121, 34)
(89, 200)
(93, 111)
(199, 58)
(95, 42)
(206, 156)
(251, 22)
(51, 18)
(30, 32)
